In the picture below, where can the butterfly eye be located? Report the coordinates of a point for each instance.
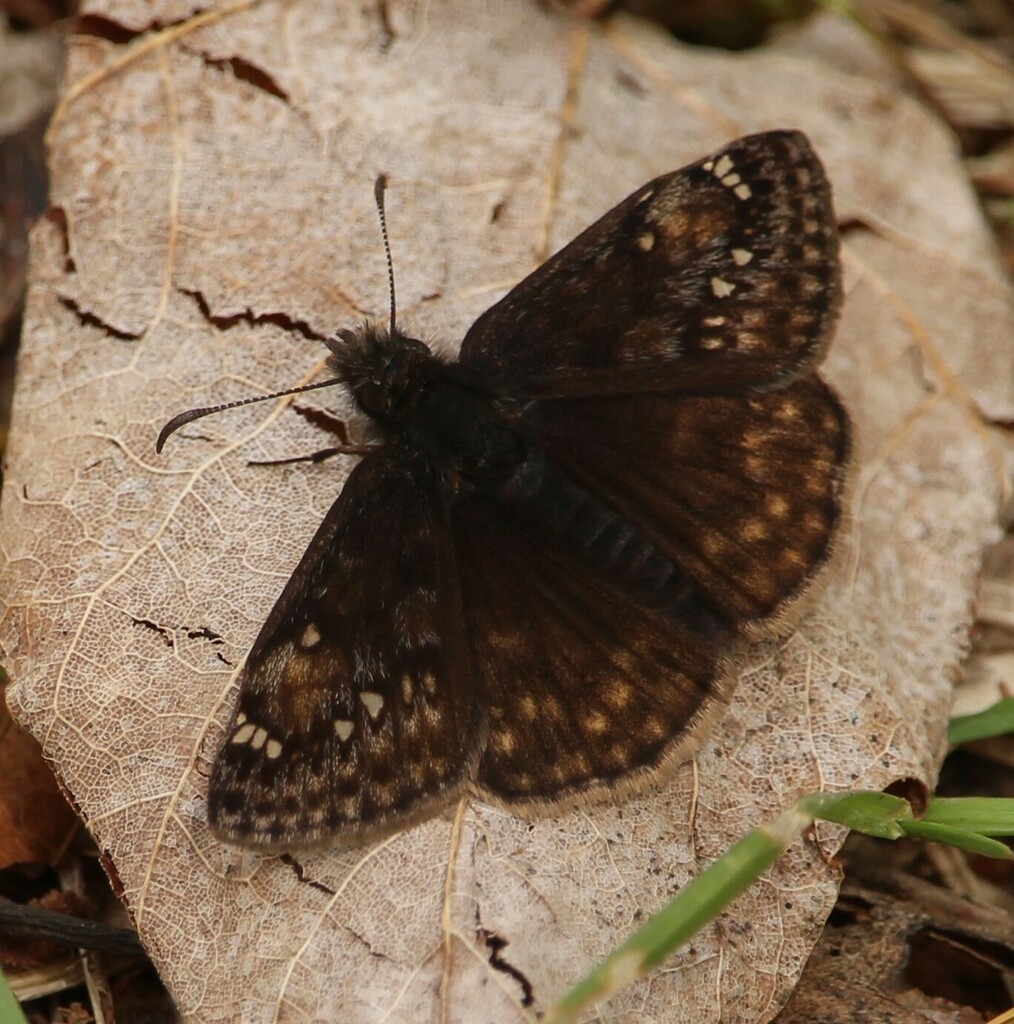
(373, 398)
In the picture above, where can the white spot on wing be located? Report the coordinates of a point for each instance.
(721, 289)
(373, 702)
(723, 165)
(342, 729)
(310, 637)
(273, 750)
(243, 733)
(741, 257)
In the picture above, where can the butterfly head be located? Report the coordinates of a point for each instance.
(384, 370)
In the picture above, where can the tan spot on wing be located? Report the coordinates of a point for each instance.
(619, 755)
(349, 807)
(801, 319)
(756, 466)
(260, 737)
(503, 741)
(343, 729)
(625, 660)
(433, 714)
(714, 544)
(754, 530)
(595, 723)
(776, 506)
(792, 560)
(552, 709)
(273, 750)
(618, 695)
(652, 727)
(310, 637)
(407, 688)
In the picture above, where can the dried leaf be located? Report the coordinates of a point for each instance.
(216, 201)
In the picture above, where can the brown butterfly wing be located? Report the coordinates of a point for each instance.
(743, 491)
(723, 273)
(667, 356)
(585, 688)
(354, 716)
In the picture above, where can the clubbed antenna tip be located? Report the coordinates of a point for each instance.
(195, 414)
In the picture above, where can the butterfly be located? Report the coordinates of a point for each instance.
(527, 590)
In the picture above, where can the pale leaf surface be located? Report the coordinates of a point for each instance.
(217, 219)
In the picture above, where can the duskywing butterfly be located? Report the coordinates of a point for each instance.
(524, 593)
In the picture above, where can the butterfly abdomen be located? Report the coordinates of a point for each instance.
(551, 508)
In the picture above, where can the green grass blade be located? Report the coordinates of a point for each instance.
(997, 720)
(990, 816)
(10, 1008)
(973, 842)
(875, 814)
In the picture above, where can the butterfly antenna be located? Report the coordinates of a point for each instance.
(378, 194)
(195, 414)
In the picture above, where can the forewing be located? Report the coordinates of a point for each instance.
(586, 690)
(723, 273)
(349, 722)
(743, 492)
